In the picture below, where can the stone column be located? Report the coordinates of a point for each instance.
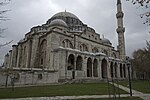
(14, 55)
(92, 68)
(6, 61)
(85, 67)
(127, 71)
(118, 71)
(74, 69)
(10, 58)
(34, 51)
(108, 70)
(100, 69)
(123, 71)
(29, 51)
(19, 58)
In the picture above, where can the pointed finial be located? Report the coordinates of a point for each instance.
(118, 2)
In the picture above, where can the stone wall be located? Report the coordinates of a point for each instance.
(28, 78)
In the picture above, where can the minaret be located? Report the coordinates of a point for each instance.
(120, 30)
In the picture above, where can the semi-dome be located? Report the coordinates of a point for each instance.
(58, 22)
(65, 14)
(104, 40)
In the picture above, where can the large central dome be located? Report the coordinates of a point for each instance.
(65, 14)
(69, 20)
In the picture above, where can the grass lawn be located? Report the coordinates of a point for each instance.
(125, 98)
(140, 85)
(56, 90)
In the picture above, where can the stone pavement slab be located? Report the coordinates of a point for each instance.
(68, 97)
(136, 93)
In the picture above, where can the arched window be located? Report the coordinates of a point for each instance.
(43, 47)
(114, 55)
(95, 50)
(63, 44)
(67, 43)
(83, 47)
(79, 63)
(105, 52)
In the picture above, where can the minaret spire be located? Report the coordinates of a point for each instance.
(120, 30)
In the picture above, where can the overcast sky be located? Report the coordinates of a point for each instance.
(98, 14)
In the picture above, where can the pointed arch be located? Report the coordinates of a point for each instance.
(114, 55)
(66, 43)
(70, 62)
(121, 73)
(95, 71)
(105, 52)
(79, 63)
(115, 69)
(104, 68)
(83, 47)
(43, 47)
(124, 70)
(63, 44)
(95, 50)
(89, 67)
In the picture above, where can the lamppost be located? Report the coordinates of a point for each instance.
(129, 78)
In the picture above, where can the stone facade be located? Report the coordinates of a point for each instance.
(66, 48)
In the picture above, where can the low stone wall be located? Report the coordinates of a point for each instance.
(28, 78)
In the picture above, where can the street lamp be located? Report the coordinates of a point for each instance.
(129, 78)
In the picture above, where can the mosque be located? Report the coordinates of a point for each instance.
(64, 48)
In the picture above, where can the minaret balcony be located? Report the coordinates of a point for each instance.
(120, 15)
(120, 30)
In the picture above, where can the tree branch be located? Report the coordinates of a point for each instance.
(2, 45)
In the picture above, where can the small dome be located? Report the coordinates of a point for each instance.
(65, 14)
(58, 22)
(104, 40)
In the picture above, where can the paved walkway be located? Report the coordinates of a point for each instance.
(67, 97)
(134, 92)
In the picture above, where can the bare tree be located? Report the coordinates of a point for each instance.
(144, 6)
(141, 61)
(3, 18)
